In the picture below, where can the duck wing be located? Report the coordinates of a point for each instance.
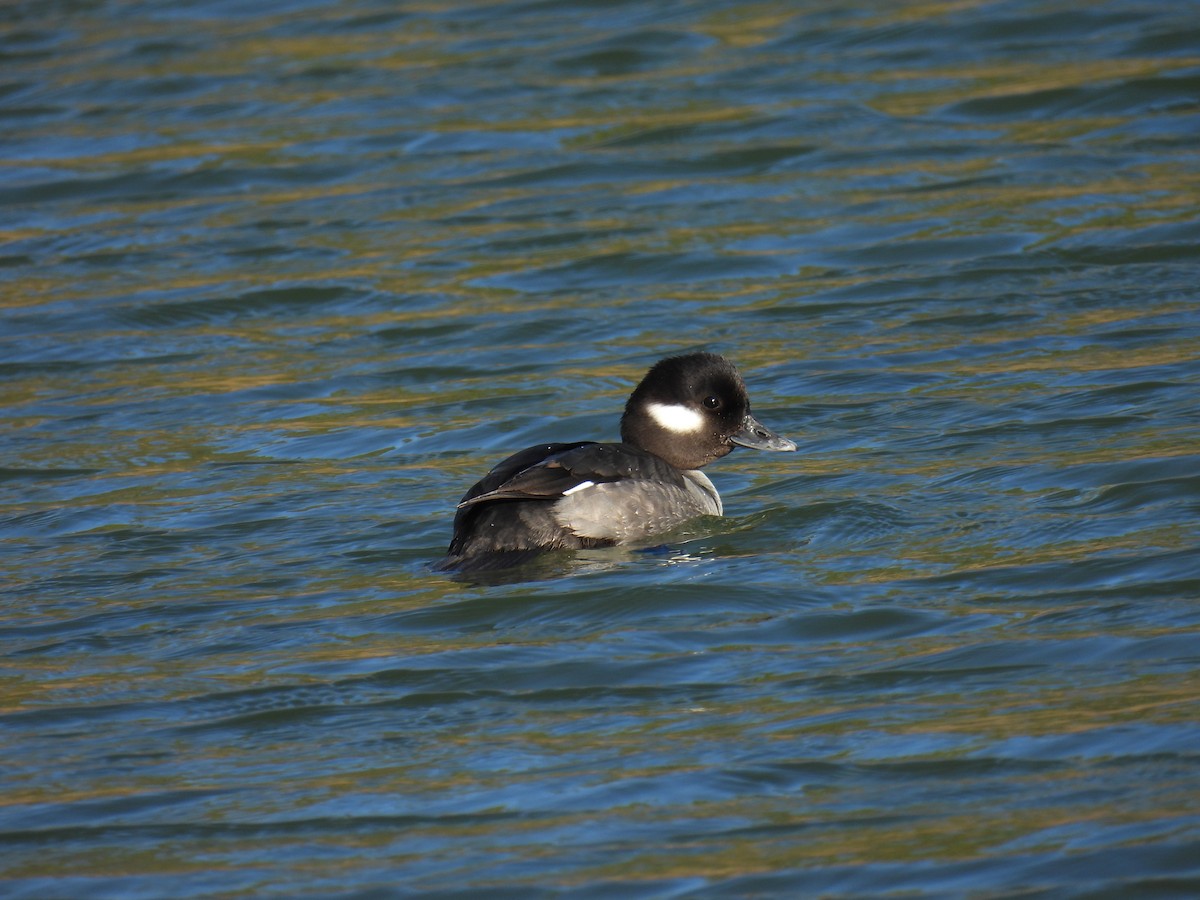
(551, 471)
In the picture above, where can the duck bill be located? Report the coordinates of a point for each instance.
(755, 435)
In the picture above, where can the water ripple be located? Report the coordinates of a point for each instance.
(280, 281)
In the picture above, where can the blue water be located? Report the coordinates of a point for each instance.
(278, 281)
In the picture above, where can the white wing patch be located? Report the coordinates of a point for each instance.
(676, 418)
(579, 487)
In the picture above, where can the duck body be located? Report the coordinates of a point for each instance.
(686, 412)
(576, 496)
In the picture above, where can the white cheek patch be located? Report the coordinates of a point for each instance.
(579, 487)
(676, 418)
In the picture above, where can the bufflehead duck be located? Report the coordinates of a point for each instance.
(686, 412)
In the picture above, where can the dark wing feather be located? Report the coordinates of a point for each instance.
(531, 474)
(548, 471)
(614, 462)
(475, 522)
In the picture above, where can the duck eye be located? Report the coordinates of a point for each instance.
(712, 402)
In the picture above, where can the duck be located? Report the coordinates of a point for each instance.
(687, 412)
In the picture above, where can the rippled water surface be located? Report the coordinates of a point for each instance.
(279, 280)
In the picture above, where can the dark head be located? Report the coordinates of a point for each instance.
(690, 410)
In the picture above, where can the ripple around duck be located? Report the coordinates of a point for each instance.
(847, 522)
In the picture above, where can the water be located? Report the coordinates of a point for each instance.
(281, 280)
